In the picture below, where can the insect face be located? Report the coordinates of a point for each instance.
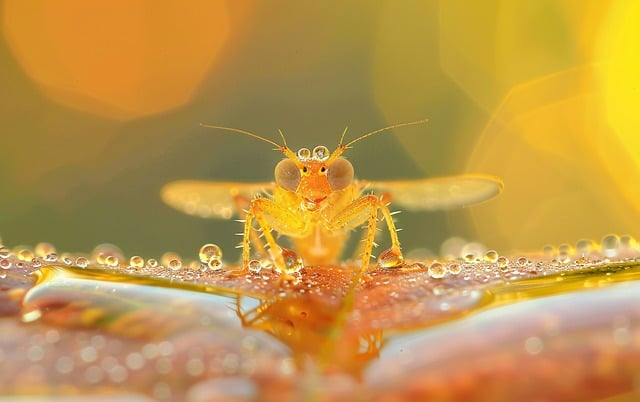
(313, 176)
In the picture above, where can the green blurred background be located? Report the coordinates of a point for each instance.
(101, 104)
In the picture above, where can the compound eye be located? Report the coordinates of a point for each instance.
(287, 175)
(340, 174)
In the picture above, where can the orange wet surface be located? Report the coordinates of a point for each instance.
(538, 330)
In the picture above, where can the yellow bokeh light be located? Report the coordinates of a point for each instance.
(117, 59)
(619, 50)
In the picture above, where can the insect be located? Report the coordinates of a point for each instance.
(316, 201)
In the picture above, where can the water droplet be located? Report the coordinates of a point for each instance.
(580, 261)
(51, 257)
(215, 264)
(304, 154)
(549, 251)
(477, 250)
(209, 251)
(491, 256)
(36, 262)
(437, 270)
(25, 254)
(136, 262)
(503, 262)
(454, 268)
(522, 261)
(610, 245)
(5, 264)
(566, 249)
(102, 251)
(292, 261)
(82, 262)
(152, 263)
(111, 261)
(44, 248)
(175, 264)
(564, 258)
(469, 257)
(167, 257)
(390, 258)
(321, 153)
(5, 252)
(255, 266)
(628, 243)
(585, 246)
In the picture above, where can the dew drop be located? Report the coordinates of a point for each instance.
(469, 257)
(491, 256)
(321, 153)
(628, 243)
(82, 262)
(437, 270)
(390, 258)
(136, 262)
(522, 261)
(255, 266)
(292, 261)
(5, 264)
(215, 264)
(610, 245)
(566, 249)
(209, 251)
(564, 258)
(167, 257)
(476, 249)
(454, 268)
(5, 252)
(111, 261)
(175, 264)
(549, 251)
(152, 263)
(36, 262)
(25, 254)
(503, 262)
(43, 248)
(102, 251)
(304, 154)
(585, 246)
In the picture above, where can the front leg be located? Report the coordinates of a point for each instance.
(284, 219)
(365, 209)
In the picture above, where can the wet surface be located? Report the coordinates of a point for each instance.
(534, 327)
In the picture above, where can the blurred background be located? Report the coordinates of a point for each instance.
(101, 105)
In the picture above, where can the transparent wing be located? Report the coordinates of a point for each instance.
(208, 199)
(439, 193)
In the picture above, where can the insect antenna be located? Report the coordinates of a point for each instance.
(362, 137)
(250, 134)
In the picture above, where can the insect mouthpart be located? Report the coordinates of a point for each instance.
(319, 153)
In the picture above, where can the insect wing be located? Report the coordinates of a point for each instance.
(441, 192)
(208, 199)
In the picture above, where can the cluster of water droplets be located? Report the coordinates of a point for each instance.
(472, 260)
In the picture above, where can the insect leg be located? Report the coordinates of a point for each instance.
(366, 209)
(282, 218)
(242, 204)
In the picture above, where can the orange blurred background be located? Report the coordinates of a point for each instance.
(102, 102)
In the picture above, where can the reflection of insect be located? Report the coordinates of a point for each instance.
(316, 202)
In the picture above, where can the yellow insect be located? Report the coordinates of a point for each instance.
(316, 201)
